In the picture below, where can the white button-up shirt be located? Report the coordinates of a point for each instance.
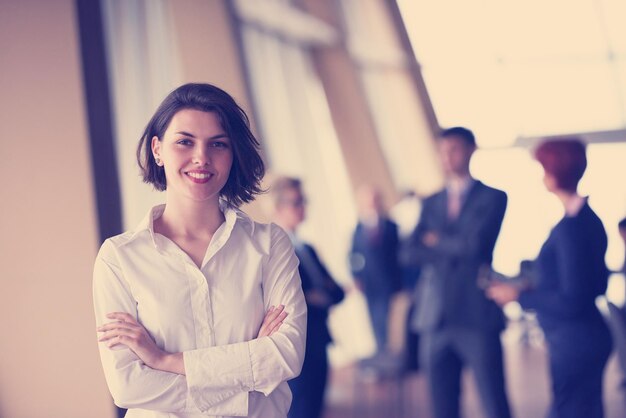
(211, 314)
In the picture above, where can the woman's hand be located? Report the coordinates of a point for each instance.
(502, 293)
(126, 331)
(273, 320)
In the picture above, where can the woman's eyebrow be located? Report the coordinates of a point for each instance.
(185, 134)
(218, 136)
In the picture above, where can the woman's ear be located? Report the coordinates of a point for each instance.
(156, 147)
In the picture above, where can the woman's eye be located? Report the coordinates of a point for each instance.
(184, 142)
(219, 144)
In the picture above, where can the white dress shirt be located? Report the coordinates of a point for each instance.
(211, 314)
(457, 192)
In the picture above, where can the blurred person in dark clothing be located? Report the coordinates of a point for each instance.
(617, 316)
(321, 293)
(406, 213)
(374, 261)
(458, 325)
(570, 274)
(622, 233)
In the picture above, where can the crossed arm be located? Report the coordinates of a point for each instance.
(471, 240)
(125, 331)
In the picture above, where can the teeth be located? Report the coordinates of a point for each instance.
(199, 175)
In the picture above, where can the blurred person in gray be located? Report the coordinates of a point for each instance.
(458, 325)
(320, 292)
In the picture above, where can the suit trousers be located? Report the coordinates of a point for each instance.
(444, 353)
(378, 308)
(577, 371)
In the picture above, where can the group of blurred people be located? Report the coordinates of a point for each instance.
(459, 321)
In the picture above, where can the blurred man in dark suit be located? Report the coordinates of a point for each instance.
(458, 325)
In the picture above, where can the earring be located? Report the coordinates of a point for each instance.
(158, 161)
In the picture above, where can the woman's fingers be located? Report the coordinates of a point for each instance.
(122, 316)
(277, 324)
(273, 317)
(123, 325)
(271, 314)
(118, 332)
(115, 325)
(279, 319)
(274, 329)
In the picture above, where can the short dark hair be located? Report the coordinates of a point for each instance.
(565, 159)
(622, 224)
(247, 171)
(459, 132)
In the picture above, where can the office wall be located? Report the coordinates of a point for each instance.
(49, 365)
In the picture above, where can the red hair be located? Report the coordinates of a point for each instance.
(565, 159)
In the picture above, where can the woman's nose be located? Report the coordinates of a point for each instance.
(201, 156)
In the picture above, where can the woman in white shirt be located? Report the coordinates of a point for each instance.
(199, 309)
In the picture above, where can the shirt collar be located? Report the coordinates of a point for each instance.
(294, 238)
(370, 221)
(460, 186)
(231, 215)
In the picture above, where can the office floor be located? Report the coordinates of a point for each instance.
(351, 396)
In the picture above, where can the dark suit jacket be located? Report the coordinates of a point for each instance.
(314, 275)
(570, 274)
(447, 294)
(374, 260)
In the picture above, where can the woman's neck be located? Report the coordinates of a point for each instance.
(572, 201)
(565, 196)
(189, 218)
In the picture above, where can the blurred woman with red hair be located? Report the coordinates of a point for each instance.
(570, 274)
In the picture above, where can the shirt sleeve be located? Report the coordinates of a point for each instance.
(412, 252)
(131, 383)
(261, 364)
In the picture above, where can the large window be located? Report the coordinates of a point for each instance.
(143, 68)
(294, 118)
(527, 68)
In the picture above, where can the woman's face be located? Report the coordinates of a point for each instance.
(455, 155)
(196, 154)
(291, 208)
(550, 182)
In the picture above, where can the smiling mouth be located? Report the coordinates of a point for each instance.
(199, 177)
